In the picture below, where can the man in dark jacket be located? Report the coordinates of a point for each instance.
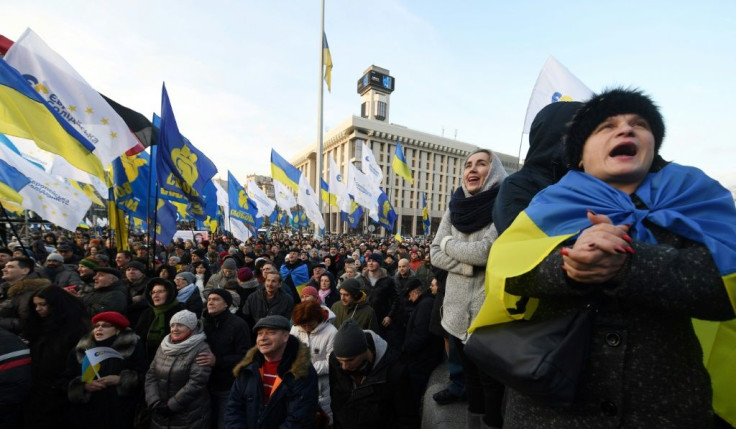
(369, 387)
(275, 384)
(267, 301)
(15, 377)
(20, 282)
(109, 294)
(383, 297)
(229, 339)
(60, 274)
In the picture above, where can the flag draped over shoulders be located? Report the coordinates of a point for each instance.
(680, 199)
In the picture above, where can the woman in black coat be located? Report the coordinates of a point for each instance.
(53, 328)
(153, 324)
(106, 397)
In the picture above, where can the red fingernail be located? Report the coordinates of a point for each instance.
(627, 238)
(619, 249)
(563, 251)
(630, 249)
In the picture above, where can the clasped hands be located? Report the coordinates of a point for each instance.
(599, 251)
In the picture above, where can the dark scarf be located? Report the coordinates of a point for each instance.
(469, 214)
(158, 329)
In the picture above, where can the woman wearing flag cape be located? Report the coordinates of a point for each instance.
(108, 366)
(654, 241)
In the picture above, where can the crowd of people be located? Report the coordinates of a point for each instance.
(344, 331)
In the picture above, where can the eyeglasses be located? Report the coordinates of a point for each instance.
(103, 326)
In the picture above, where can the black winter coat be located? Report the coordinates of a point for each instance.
(292, 405)
(113, 407)
(229, 339)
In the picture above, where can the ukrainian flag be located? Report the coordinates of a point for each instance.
(327, 62)
(11, 182)
(326, 195)
(681, 199)
(26, 114)
(400, 165)
(284, 172)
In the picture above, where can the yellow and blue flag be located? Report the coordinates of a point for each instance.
(426, 223)
(180, 166)
(386, 213)
(93, 358)
(327, 62)
(682, 200)
(327, 196)
(131, 177)
(352, 218)
(26, 114)
(400, 165)
(11, 181)
(242, 207)
(284, 172)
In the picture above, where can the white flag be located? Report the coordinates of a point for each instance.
(239, 230)
(98, 354)
(265, 204)
(308, 200)
(223, 200)
(361, 188)
(284, 198)
(52, 199)
(70, 95)
(370, 167)
(555, 83)
(339, 187)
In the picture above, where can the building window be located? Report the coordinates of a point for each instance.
(363, 110)
(381, 111)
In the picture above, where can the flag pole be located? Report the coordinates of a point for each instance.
(321, 105)
(15, 233)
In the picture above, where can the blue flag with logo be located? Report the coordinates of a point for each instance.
(386, 214)
(180, 166)
(352, 218)
(242, 207)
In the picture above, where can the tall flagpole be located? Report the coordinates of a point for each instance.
(319, 110)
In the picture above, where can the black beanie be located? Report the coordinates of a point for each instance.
(224, 294)
(352, 287)
(349, 340)
(609, 103)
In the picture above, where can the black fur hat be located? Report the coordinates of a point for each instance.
(609, 103)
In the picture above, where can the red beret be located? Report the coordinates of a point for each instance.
(112, 317)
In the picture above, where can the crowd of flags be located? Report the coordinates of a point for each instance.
(156, 175)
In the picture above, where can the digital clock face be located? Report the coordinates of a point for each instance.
(376, 80)
(387, 82)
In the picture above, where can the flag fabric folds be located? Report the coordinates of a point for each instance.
(425, 215)
(352, 217)
(327, 196)
(143, 129)
(28, 115)
(265, 204)
(11, 181)
(93, 358)
(555, 83)
(52, 199)
(386, 214)
(327, 62)
(241, 206)
(284, 196)
(70, 95)
(362, 191)
(307, 198)
(370, 167)
(181, 167)
(131, 176)
(401, 167)
(338, 186)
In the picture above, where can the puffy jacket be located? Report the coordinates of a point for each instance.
(175, 379)
(110, 298)
(319, 342)
(293, 403)
(361, 311)
(258, 306)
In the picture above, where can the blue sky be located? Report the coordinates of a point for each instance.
(243, 75)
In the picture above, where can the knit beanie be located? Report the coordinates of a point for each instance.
(112, 317)
(224, 294)
(609, 103)
(186, 318)
(137, 265)
(55, 257)
(349, 340)
(186, 275)
(352, 287)
(89, 263)
(245, 274)
(375, 256)
(310, 290)
(230, 264)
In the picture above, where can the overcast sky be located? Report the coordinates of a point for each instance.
(242, 76)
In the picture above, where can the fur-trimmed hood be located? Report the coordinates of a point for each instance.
(28, 285)
(296, 359)
(124, 344)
